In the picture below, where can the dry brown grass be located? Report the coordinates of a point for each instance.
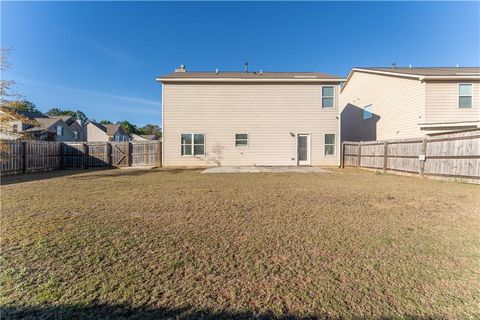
(178, 244)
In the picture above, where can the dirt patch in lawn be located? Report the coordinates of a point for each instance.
(181, 244)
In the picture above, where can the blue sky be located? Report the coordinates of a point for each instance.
(103, 57)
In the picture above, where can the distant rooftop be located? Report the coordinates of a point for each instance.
(429, 71)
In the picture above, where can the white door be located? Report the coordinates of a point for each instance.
(303, 149)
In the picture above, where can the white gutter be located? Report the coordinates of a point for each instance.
(301, 80)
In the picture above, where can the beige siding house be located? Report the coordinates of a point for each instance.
(250, 118)
(106, 132)
(391, 103)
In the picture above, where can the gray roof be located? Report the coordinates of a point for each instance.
(46, 123)
(429, 71)
(111, 129)
(148, 136)
(249, 75)
(67, 119)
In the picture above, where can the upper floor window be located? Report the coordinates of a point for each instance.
(59, 131)
(75, 133)
(192, 144)
(241, 139)
(465, 95)
(367, 112)
(15, 128)
(327, 96)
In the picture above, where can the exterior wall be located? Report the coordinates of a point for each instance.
(75, 126)
(441, 99)
(67, 132)
(268, 113)
(397, 107)
(95, 134)
(6, 132)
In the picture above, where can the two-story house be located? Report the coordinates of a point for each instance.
(391, 103)
(250, 118)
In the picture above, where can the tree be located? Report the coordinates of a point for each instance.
(78, 115)
(128, 127)
(7, 91)
(151, 129)
(20, 105)
(105, 122)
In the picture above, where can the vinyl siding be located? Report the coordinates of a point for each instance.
(268, 113)
(397, 107)
(95, 134)
(441, 100)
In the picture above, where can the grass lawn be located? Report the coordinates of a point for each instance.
(179, 244)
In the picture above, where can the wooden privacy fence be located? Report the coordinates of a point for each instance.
(451, 156)
(34, 156)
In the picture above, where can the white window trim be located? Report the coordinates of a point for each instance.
(471, 96)
(193, 145)
(61, 130)
(330, 144)
(333, 97)
(235, 140)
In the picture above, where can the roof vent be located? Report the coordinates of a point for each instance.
(181, 68)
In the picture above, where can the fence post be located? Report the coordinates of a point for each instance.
(423, 157)
(159, 154)
(128, 153)
(385, 155)
(62, 166)
(109, 154)
(85, 155)
(360, 154)
(342, 156)
(24, 156)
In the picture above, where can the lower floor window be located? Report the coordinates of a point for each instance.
(330, 144)
(192, 144)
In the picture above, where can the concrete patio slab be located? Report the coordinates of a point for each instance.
(252, 169)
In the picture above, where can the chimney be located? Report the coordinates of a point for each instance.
(181, 69)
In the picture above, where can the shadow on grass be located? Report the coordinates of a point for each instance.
(82, 174)
(105, 311)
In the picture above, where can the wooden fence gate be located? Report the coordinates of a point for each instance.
(30, 156)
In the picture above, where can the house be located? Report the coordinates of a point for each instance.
(78, 129)
(250, 118)
(106, 132)
(143, 137)
(396, 103)
(54, 129)
(11, 126)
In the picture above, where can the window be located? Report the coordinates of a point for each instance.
(465, 95)
(75, 133)
(327, 97)
(367, 112)
(241, 139)
(15, 128)
(193, 144)
(59, 131)
(330, 144)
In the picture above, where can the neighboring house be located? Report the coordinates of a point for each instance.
(106, 132)
(51, 129)
(143, 137)
(250, 118)
(76, 126)
(10, 127)
(391, 103)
